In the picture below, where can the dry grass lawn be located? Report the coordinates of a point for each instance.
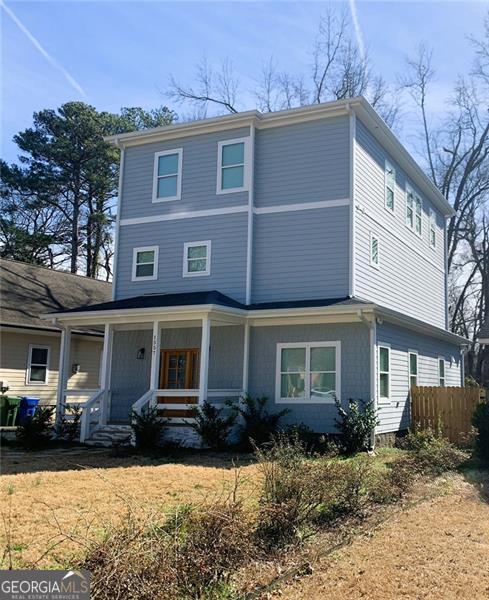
(50, 495)
(438, 549)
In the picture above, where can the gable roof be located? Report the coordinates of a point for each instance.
(28, 291)
(358, 106)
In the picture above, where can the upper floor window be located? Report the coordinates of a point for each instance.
(374, 251)
(441, 371)
(196, 259)
(390, 186)
(413, 369)
(308, 372)
(384, 373)
(432, 228)
(167, 183)
(232, 167)
(414, 210)
(38, 365)
(145, 263)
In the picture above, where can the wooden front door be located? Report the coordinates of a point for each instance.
(179, 370)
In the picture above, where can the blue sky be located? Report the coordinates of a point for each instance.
(121, 53)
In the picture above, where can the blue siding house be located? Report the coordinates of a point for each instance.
(299, 255)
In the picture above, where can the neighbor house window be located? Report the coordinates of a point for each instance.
(38, 365)
(308, 372)
(432, 228)
(145, 263)
(390, 186)
(232, 166)
(196, 259)
(414, 210)
(441, 371)
(374, 250)
(167, 183)
(384, 373)
(413, 369)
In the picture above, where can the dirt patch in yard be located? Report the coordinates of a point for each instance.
(436, 549)
(78, 493)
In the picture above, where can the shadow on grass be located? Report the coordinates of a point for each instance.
(476, 472)
(14, 461)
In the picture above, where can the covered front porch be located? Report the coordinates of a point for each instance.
(173, 360)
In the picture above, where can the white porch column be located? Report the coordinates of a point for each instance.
(63, 371)
(106, 368)
(155, 356)
(204, 358)
(246, 357)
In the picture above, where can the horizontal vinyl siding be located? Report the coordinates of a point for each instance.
(355, 368)
(301, 255)
(227, 234)
(305, 162)
(199, 176)
(14, 354)
(411, 276)
(396, 415)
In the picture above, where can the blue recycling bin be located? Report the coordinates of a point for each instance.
(27, 408)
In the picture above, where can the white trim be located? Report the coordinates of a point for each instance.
(246, 357)
(63, 372)
(265, 210)
(249, 233)
(389, 166)
(117, 222)
(417, 200)
(246, 165)
(432, 228)
(373, 371)
(204, 358)
(351, 200)
(374, 236)
(179, 153)
(413, 353)
(442, 358)
(135, 253)
(207, 244)
(155, 356)
(383, 400)
(29, 364)
(307, 374)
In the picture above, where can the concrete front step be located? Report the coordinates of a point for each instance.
(110, 434)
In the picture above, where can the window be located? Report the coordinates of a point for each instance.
(196, 259)
(145, 263)
(374, 251)
(390, 186)
(413, 369)
(384, 373)
(414, 210)
(432, 228)
(38, 365)
(232, 171)
(441, 371)
(308, 373)
(167, 183)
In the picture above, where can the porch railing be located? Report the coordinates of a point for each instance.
(93, 414)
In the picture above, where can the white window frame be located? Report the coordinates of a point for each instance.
(384, 399)
(374, 236)
(417, 200)
(389, 167)
(414, 353)
(444, 384)
(246, 165)
(432, 229)
(186, 246)
(178, 195)
(135, 252)
(29, 364)
(307, 383)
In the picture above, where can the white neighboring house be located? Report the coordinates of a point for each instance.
(30, 347)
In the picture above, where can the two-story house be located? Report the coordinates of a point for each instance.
(296, 255)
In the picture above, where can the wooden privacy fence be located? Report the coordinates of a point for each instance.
(447, 410)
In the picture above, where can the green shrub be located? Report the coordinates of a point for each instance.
(314, 443)
(480, 421)
(148, 429)
(432, 453)
(36, 431)
(356, 425)
(258, 425)
(212, 427)
(69, 429)
(395, 482)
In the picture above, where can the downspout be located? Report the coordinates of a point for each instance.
(463, 350)
(249, 240)
(445, 246)
(118, 218)
(372, 326)
(352, 137)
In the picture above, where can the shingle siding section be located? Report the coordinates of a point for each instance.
(409, 266)
(301, 255)
(396, 414)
